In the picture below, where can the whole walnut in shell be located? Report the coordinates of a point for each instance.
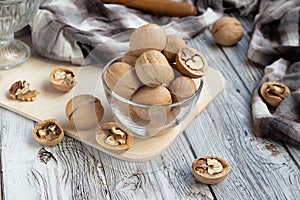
(130, 57)
(122, 79)
(153, 69)
(227, 31)
(182, 87)
(173, 45)
(151, 96)
(84, 111)
(147, 37)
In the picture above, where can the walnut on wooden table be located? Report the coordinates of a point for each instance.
(48, 132)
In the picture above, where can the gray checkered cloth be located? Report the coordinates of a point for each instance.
(275, 44)
(80, 31)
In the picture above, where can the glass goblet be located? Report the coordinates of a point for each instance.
(14, 15)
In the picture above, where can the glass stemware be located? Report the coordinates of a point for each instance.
(14, 15)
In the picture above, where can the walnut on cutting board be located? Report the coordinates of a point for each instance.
(63, 78)
(20, 90)
(112, 137)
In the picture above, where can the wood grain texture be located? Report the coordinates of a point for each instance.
(77, 171)
(255, 172)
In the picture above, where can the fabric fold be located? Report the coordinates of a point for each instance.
(275, 43)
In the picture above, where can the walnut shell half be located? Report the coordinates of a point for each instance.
(110, 136)
(191, 63)
(63, 78)
(210, 169)
(48, 132)
(274, 92)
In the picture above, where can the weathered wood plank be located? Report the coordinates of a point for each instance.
(167, 177)
(72, 170)
(70, 173)
(255, 172)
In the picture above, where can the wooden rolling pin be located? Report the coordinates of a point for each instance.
(163, 7)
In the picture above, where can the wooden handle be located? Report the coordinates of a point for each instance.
(163, 7)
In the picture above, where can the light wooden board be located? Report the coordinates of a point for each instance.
(51, 104)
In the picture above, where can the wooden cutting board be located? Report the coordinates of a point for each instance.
(51, 103)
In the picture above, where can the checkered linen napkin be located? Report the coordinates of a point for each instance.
(275, 44)
(69, 30)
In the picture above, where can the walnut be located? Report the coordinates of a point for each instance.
(121, 78)
(191, 63)
(182, 87)
(159, 95)
(227, 31)
(173, 45)
(62, 78)
(48, 132)
(148, 37)
(210, 169)
(84, 111)
(131, 56)
(110, 136)
(20, 90)
(153, 69)
(274, 92)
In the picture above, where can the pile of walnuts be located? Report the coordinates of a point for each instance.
(157, 69)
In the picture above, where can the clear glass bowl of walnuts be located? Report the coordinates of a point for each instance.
(152, 106)
(155, 84)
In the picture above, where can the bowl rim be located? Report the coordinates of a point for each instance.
(103, 78)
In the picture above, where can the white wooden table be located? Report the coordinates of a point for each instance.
(73, 170)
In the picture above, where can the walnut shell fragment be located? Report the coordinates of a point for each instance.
(191, 63)
(48, 132)
(274, 92)
(110, 136)
(210, 169)
(20, 90)
(63, 78)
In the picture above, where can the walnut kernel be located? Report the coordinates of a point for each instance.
(20, 90)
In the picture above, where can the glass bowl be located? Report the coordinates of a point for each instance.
(161, 117)
(14, 15)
